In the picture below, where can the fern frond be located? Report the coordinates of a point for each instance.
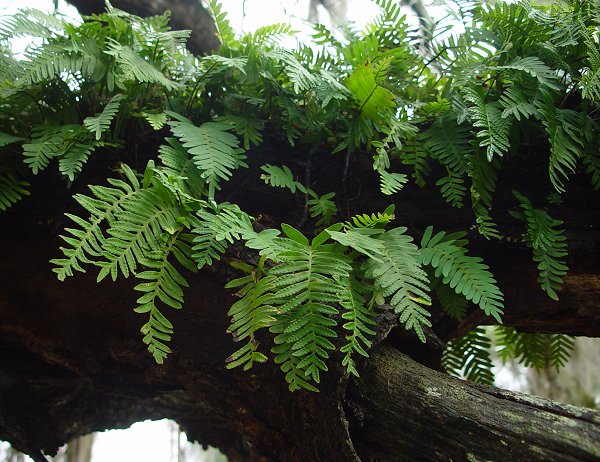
(137, 231)
(548, 244)
(12, 190)
(224, 29)
(281, 177)
(72, 160)
(135, 67)
(157, 120)
(250, 129)
(398, 274)
(6, 139)
(516, 104)
(162, 283)
(101, 122)
(178, 165)
(370, 96)
(46, 144)
(533, 350)
(494, 128)
(307, 283)
(301, 78)
(563, 128)
(449, 142)
(536, 68)
(467, 275)
(452, 303)
(361, 240)
(322, 206)
(215, 150)
(391, 183)
(359, 319)
(592, 163)
(217, 230)
(469, 356)
(452, 189)
(375, 220)
(591, 73)
(85, 243)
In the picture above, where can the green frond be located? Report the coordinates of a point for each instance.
(391, 183)
(469, 357)
(564, 132)
(375, 220)
(548, 244)
(6, 139)
(452, 189)
(179, 166)
(449, 142)
(536, 68)
(358, 325)
(322, 207)
(157, 120)
(134, 67)
(218, 229)
(452, 303)
(516, 104)
(250, 129)
(281, 177)
(307, 282)
(47, 143)
(162, 283)
(591, 73)
(85, 242)
(371, 98)
(137, 231)
(467, 275)
(30, 22)
(224, 30)
(215, 151)
(398, 274)
(414, 155)
(494, 129)
(101, 122)
(592, 163)
(361, 240)
(76, 155)
(301, 78)
(12, 190)
(533, 350)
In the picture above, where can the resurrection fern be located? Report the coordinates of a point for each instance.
(533, 350)
(215, 151)
(467, 275)
(12, 190)
(511, 98)
(397, 273)
(101, 122)
(469, 356)
(548, 244)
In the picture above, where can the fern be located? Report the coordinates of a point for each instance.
(224, 29)
(217, 230)
(101, 122)
(592, 162)
(467, 275)
(371, 97)
(469, 356)
(12, 190)
(157, 120)
(449, 143)
(536, 68)
(391, 183)
(533, 350)
(358, 325)
(46, 144)
(494, 128)
(134, 67)
(398, 274)
(562, 126)
(307, 283)
(85, 243)
(215, 151)
(281, 177)
(452, 189)
(548, 244)
(516, 104)
(322, 206)
(361, 240)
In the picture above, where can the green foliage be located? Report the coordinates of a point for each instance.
(548, 244)
(533, 350)
(467, 275)
(469, 356)
(515, 94)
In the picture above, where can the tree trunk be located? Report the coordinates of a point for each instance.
(185, 15)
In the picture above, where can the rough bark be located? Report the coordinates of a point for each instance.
(185, 15)
(407, 412)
